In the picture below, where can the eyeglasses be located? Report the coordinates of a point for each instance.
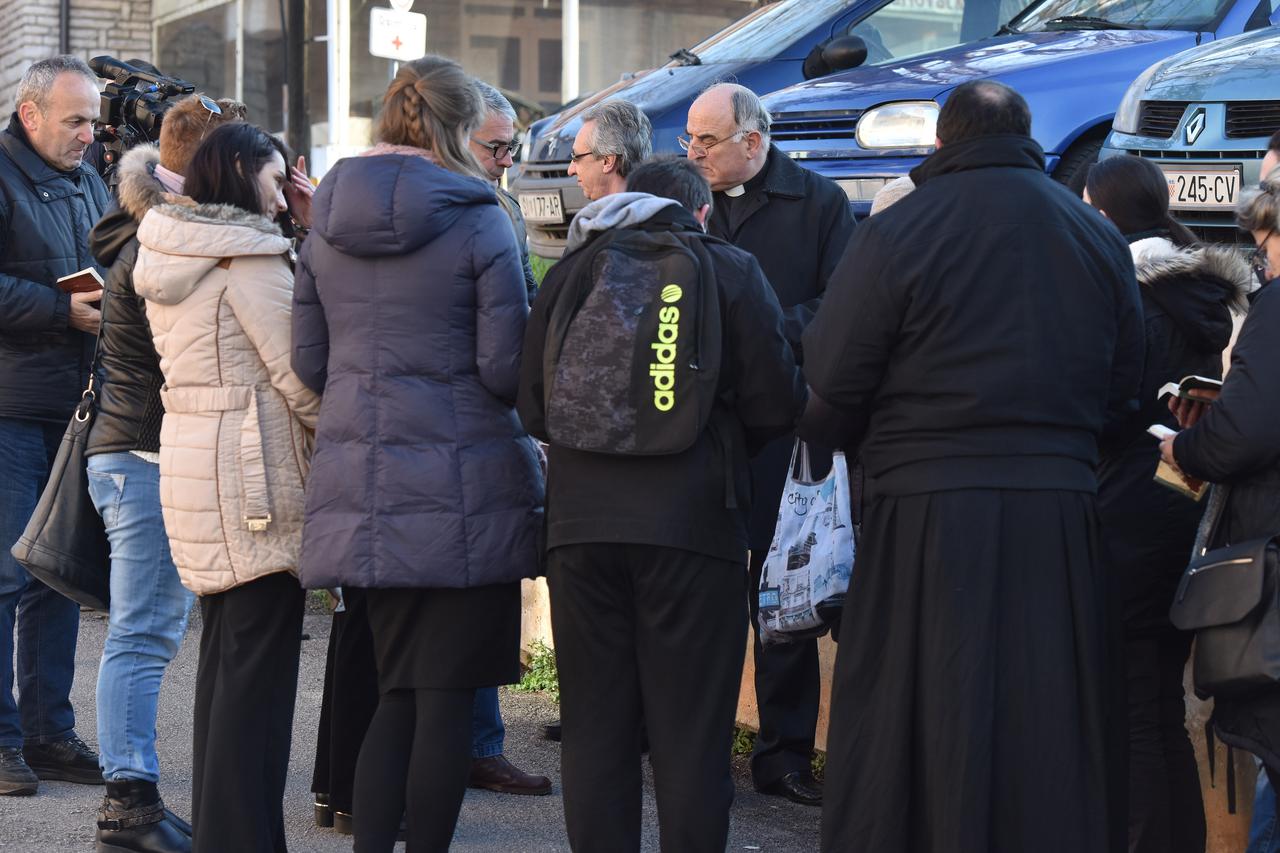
(575, 157)
(499, 150)
(1258, 258)
(700, 149)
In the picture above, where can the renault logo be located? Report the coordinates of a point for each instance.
(1195, 126)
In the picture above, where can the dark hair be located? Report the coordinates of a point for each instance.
(1273, 144)
(224, 169)
(1135, 196)
(671, 177)
(982, 108)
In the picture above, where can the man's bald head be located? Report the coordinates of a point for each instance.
(728, 135)
(982, 108)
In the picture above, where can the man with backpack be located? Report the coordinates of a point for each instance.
(655, 364)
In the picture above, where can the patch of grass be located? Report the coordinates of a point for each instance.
(540, 266)
(541, 675)
(819, 765)
(744, 740)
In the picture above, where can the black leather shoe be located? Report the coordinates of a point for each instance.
(16, 778)
(798, 787)
(182, 825)
(69, 760)
(344, 825)
(133, 819)
(324, 811)
(551, 731)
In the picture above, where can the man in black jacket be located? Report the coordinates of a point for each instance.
(646, 553)
(49, 200)
(149, 605)
(796, 223)
(974, 343)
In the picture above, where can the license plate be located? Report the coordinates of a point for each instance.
(542, 207)
(1203, 187)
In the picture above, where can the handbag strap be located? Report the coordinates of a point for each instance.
(90, 396)
(1211, 521)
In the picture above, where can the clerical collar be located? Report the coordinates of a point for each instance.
(751, 185)
(734, 192)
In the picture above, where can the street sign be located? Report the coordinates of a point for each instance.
(397, 35)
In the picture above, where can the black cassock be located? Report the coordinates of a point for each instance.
(974, 343)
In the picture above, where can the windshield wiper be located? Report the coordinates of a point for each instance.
(686, 57)
(1090, 22)
(1008, 30)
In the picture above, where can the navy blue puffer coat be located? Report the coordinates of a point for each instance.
(409, 317)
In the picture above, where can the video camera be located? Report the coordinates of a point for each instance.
(133, 106)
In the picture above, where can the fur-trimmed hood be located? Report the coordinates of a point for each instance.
(137, 192)
(1197, 287)
(182, 242)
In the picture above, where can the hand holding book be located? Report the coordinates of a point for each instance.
(1168, 473)
(1189, 396)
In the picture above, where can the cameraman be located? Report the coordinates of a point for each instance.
(49, 200)
(149, 606)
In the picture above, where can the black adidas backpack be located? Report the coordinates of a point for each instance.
(632, 358)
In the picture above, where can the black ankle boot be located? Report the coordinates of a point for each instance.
(132, 820)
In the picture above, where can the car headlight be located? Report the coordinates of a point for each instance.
(1130, 110)
(910, 124)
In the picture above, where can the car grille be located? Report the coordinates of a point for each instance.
(547, 170)
(1252, 118)
(1198, 155)
(1159, 119)
(798, 127)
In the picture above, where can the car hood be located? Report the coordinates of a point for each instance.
(928, 76)
(655, 91)
(1237, 68)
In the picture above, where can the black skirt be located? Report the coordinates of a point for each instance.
(972, 708)
(446, 638)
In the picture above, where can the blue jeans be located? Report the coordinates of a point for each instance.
(487, 730)
(1264, 834)
(149, 609)
(46, 621)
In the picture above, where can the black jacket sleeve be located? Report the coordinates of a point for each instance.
(1239, 434)
(768, 389)
(28, 306)
(848, 343)
(531, 397)
(836, 224)
(310, 359)
(1129, 355)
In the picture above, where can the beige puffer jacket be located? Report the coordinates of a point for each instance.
(238, 423)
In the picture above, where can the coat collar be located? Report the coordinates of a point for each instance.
(783, 178)
(986, 152)
(16, 144)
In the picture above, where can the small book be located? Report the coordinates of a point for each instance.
(1171, 477)
(1191, 383)
(85, 281)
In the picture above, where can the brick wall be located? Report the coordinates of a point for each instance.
(29, 31)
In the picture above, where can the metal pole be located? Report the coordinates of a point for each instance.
(569, 83)
(64, 26)
(337, 45)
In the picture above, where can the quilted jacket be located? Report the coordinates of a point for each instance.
(238, 423)
(409, 315)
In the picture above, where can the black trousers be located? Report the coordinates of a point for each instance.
(659, 630)
(788, 684)
(350, 699)
(1166, 811)
(246, 684)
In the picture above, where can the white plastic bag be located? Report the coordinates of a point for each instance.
(806, 573)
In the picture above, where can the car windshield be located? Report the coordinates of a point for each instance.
(766, 32)
(1124, 14)
(904, 28)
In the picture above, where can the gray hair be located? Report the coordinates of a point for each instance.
(749, 113)
(623, 130)
(1259, 209)
(892, 193)
(38, 79)
(495, 101)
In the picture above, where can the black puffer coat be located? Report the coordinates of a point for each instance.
(1237, 442)
(1187, 296)
(129, 377)
(45, 219)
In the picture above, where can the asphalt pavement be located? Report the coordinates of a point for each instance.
(61, 817)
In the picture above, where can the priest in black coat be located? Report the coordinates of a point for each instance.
(972, 346)
(796, 223)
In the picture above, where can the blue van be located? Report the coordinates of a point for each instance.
(1071, 59)
(768, 49)
(1205, 117)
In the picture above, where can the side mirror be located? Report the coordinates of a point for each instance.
(837, 54)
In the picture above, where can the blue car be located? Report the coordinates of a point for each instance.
(774, 46)
(1205, 117)
(1071, 59)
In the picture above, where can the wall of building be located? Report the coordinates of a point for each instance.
(29, 31)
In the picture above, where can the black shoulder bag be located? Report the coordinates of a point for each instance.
(65, 545)
(1231, 598)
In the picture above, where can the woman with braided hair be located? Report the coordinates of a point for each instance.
(425, 493)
